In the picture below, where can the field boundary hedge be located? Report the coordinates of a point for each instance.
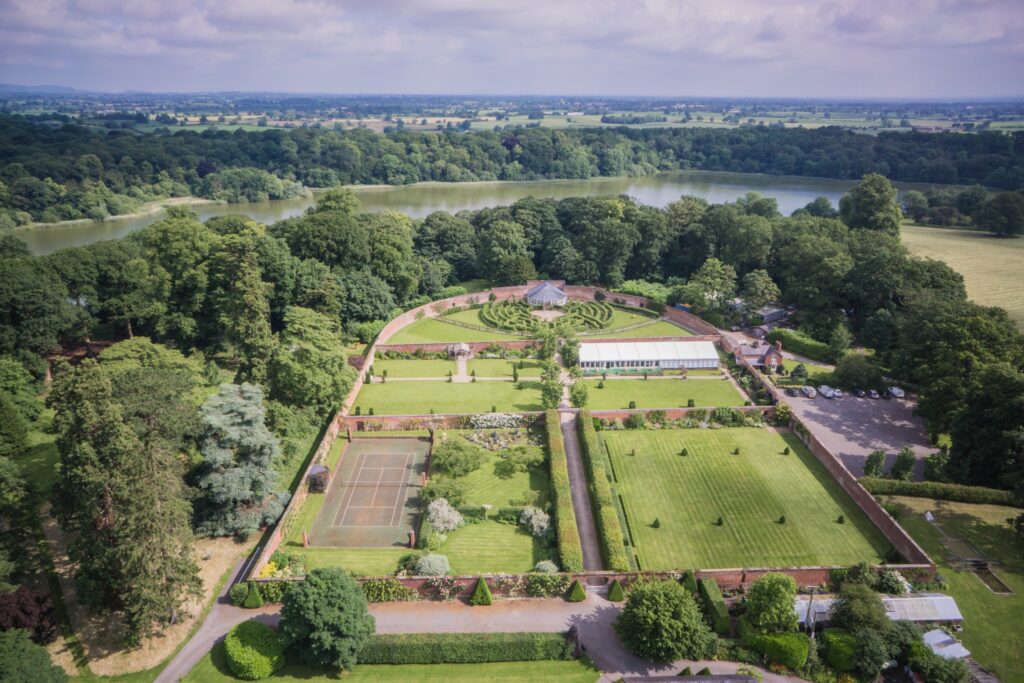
(714, 606)
(800, 344)
(466, 648)
(958, 493)
(609, 530)
(570, 548)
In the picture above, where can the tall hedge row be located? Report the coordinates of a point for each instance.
(788, 649)
(958, 493)
(613, 545)
(714, 605)
(465, 648)
(570, 550)
(800, 344)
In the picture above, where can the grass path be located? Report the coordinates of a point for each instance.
(750, 491)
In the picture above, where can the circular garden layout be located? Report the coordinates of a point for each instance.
(517, 316)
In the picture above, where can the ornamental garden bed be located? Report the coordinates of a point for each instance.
(776, 509)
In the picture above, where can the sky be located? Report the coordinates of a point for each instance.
(904, 49)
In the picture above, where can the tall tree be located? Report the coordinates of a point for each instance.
(1003, 214)
(758, 289)
(871, 205)
(236, 480)
(243, 306)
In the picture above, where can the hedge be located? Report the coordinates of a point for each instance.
(788, 649)
(465, 648)
(609, 530)
(800, 344)
(570, 549)
(714, 606)
(840, 646)
(388, 590)
(958, 493)
(253, 651)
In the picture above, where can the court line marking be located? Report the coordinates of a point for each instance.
(346, 501)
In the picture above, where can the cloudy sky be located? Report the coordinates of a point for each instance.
(838, 48)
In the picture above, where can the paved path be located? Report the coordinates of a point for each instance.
(580, 493)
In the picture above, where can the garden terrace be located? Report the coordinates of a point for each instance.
(661, 393)
(751, 491)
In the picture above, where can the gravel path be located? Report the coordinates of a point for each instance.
(580, 494)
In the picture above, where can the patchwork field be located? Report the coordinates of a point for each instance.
(414, 398)
(213, 668)
(991, 622)
(992, 266)
(431, 330)
(749, 491)
(662, 393)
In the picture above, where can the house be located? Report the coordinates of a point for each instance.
(546, 294)
(945, 645)
(761, 355)
(760, 332)
(599, 356)
(920, 608)
(769, 314)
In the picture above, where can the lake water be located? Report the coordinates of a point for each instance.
(424, 198)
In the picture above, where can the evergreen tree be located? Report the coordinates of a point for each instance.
(236, 478)
(243, 306)
(310, 365)
(13, 430)
(22, 661)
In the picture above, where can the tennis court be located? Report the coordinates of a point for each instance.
(373, 499)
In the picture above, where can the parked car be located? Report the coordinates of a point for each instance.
(790, 391)
(895, 392)
(873, 394)
(826, 391)
(838, 393)
(859, 393)
(809, 392)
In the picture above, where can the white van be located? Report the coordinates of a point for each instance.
(809, 392)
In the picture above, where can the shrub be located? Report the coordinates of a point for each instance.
(577, 593)
(481, 594)
(443, 517)
(238, 593)
(635, 421)
(802, 345)
(569, 549)
(457, 457)
(254, 599)
(788, 649)
(388, 590)
(615, 593)
(253, 651)
(432, 564)
(770, 603)
(704, 672)
(690, 403)
(546, 585)
(892, 582)
(465, 648)
(660, 621)
(609, 529)
(632, 405)
(545, 567)
(536, 521)
(273, 591)
(448, 488)
(689, 582)
(715, 609)
(958, 493)
(656, 523)
(840, 646)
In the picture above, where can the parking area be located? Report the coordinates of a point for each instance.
(853, 427)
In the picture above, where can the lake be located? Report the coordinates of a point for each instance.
(422, 199)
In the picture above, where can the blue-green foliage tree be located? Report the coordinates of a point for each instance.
(236, 478)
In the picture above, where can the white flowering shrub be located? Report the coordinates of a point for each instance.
(892, 582)
(432, 565)
(443, 517)
(546, 567)
(496, 421)
(536, 521)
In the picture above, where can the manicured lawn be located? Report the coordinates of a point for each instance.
(655, 328)
(662, 393)
(470, 315)
(750, 491)
(429, 330)
(360, 561)
(992, 623)
(414, 368)
(499, 367)
(213, 669)
(484, 487)
(623, 317)
(414, 398)
(491, 547)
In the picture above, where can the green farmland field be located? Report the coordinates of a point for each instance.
(662, 393)
(992, 266)
(750, 491)
(431, 330)
(417, 398)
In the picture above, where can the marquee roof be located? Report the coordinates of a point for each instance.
(660, 351)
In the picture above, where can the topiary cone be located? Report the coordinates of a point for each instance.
(481, 593)
(577, 593)
(615, 592)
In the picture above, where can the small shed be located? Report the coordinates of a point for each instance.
(945, 645)
(318, 479)
(459, 350)
(546, 294)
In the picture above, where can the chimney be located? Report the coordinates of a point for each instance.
(778, 345)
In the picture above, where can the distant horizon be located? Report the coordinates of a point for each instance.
(56, 88)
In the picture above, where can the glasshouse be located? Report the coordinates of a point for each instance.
(662, 354)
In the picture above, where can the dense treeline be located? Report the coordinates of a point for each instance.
(71, 172)
(275, 304)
